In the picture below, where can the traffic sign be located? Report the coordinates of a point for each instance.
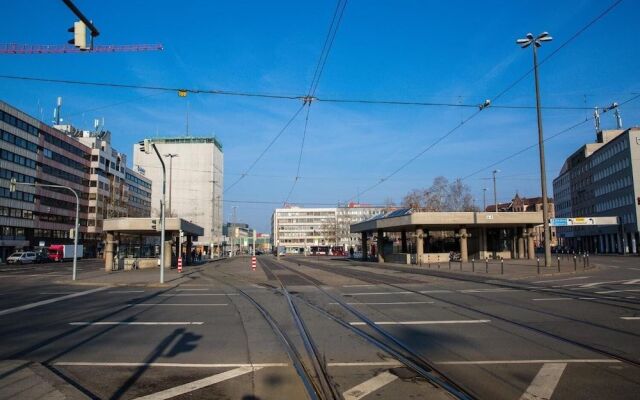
(582, 221)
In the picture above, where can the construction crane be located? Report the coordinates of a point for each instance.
(14, 48)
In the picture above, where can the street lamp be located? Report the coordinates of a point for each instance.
(145, 146)
(484, 199)
(12, 188)
(495, 191)
(171, 156)
(537, 42)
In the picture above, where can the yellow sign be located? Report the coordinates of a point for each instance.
(182, 93)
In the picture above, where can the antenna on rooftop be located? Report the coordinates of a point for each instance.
(56, 111)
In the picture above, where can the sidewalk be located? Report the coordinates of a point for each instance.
(28, 380)
(142, 277)
(511, 269)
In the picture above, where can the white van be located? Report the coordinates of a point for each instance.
(22, 257)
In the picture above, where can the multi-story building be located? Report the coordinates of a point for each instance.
(139, 189)
(33, 152)
(298, 229)
(194, 182)
(602, 179)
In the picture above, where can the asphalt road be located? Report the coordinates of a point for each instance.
(569, 336)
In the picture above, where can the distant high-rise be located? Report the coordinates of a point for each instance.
(195, 167)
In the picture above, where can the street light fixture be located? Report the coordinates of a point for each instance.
(12, 188)
(537, 42)
(495, 191)
(171, 156)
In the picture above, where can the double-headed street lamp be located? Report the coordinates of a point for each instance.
(537, 42)
(12, 188)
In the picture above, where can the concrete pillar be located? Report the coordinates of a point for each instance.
(365, 249)
(521, 243)
(419, 245)
(464, 249)
(619, 243)
(167, 253)
(380, 246)
(108, 252)
(483, 243)
(403, 240)
(531, 248)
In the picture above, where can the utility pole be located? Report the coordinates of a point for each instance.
(213, 210)
(171, 156)
(537, 42)
(495, 191)
(233, 224)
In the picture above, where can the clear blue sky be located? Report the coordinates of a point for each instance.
(410, 50)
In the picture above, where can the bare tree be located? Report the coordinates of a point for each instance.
(442, 195)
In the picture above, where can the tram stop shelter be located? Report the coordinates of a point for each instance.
(135, 242)
(408, 236)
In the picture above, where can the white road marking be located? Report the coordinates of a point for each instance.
(553, 299)
(635, 269)
(589, 285)
(363, 285)
(630, 318)
(125, 291)
(365, 364)
(199, 384)
(618, 291)
(390, 303)
(198, 294)
(182, 290)
(436, 291)
(587, 298)
(49, 301)
(562, 280)
(375, 293)
(168, 365)
(487, 290)
(176, 304)
(369, 386)
(545, 382)
(134, 323)
(460, 321)
(58, 292)
(491, 362)
(632, 282)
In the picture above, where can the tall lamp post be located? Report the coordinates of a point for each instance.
(495, 191)
(537, 42)
(484, 199)
(170, 156)
(12, 188)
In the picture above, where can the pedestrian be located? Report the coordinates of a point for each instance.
(351, 251)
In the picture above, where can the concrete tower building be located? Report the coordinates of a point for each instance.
(194, 182)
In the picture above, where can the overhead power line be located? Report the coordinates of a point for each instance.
(534, 145)
(282, 96)
(275, 138)
(489, 103)
(304, 135)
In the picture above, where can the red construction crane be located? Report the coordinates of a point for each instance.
(14, 48)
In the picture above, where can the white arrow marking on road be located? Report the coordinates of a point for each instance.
(199, 384)
(49, 301)
(369, 386)
(545, 382)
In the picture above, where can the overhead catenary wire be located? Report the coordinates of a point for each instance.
(275, 138)
(534, 145)
(496, 97)
(304, 135)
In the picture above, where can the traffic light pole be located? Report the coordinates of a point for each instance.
(164, 185)
(77, 225)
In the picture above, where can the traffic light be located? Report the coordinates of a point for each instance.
(154, 225)
(145, 146)
(79, 30)
(12, 186)
(639, 201)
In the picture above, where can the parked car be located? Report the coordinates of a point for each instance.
(22, 257)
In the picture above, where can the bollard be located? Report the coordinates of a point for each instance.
(538, 259)
(584, 261)
(449, 263)
(574, 263)
(558, 264)
(501, 266)
(486, 265)
(460, 264)
(438, 262)
(473, 265)
(587, 259)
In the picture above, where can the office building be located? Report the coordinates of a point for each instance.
(33, 152)
(297, 229)
(195, 170)
(601, 179)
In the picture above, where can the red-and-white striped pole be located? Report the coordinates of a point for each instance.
(253, 263)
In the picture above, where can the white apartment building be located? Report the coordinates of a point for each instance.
(298, 229)
(194, 182)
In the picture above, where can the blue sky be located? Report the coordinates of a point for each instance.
(429, 51)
